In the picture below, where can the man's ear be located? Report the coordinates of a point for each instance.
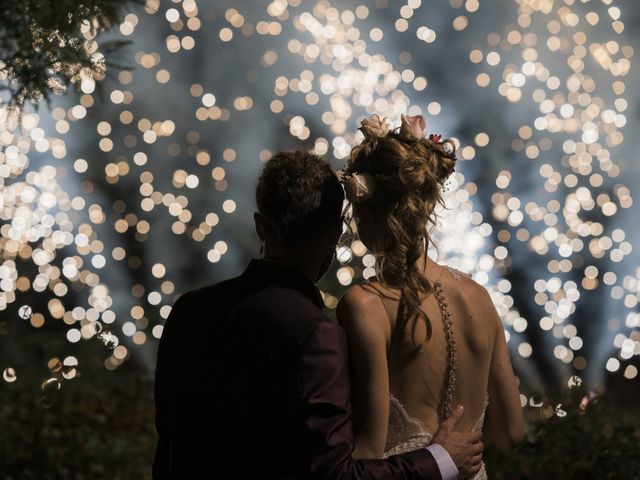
(259, 222)
(332, 235)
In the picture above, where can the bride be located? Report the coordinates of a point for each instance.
(422, 337)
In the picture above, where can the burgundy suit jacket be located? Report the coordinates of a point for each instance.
(252, 381)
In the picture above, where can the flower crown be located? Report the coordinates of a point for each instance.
(360, 186)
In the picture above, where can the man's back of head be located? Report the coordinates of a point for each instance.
(299, 197)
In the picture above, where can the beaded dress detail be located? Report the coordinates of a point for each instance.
(407, 433)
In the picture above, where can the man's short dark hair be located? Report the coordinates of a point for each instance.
(299, 195)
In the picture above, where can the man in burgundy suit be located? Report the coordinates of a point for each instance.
(252, 379)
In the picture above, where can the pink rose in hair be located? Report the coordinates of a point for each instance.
(374, 126)
(412, 126)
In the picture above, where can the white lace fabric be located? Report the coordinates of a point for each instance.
(407, 433)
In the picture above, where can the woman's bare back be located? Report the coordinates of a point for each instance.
(419, 382)
(384, 377)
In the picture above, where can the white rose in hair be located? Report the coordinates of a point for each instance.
(374, 126)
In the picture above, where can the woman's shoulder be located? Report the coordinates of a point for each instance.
(362, 303)
(360, 296)
(371, 291)
(467, 288)
(456, 277)
(476, 297)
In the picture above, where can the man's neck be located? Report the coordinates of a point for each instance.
(306, 267)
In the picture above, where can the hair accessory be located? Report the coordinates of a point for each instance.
(412, 126)
(374, 126)
(358, 187)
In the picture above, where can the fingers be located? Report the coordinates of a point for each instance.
(474, 460)
(457, 412)
(476, 449)
(453, 421)
(469, 438)
(468, 470)
(471, 466)
(474, 437)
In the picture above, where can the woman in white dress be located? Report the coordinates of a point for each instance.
(422, 337)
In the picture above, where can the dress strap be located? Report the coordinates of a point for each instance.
(387, 310)
(385, 305)
(381, 296)
(457, 274)
(449, 393)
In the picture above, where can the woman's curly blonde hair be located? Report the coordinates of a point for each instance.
(409, 174)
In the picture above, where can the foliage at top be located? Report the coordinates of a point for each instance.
(47, 44)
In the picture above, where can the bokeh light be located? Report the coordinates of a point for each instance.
(114, 202)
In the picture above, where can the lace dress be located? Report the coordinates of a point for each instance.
(407, 433)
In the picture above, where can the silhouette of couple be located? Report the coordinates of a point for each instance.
(253, 380)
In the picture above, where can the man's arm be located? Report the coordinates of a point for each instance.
(324, 390)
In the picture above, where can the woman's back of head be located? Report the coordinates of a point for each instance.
(403, 172)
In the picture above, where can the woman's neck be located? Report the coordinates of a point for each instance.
(430, 269)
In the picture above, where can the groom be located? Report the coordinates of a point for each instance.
(252, 379)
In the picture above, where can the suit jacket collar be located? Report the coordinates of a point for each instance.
(269, 272)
